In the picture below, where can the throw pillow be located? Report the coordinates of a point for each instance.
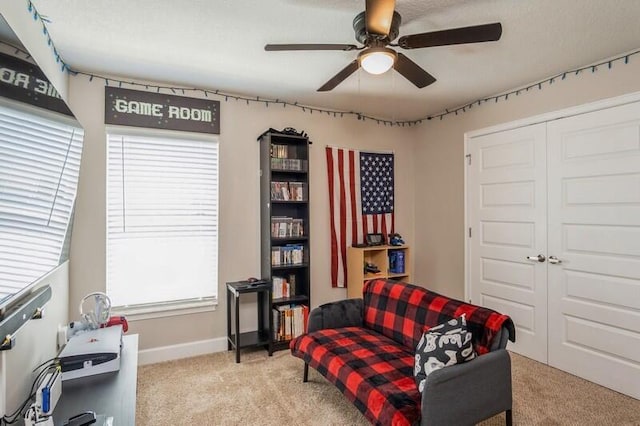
(440, 346)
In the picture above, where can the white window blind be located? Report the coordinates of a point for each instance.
(162, 219)
(39, 166)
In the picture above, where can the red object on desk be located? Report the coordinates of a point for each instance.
(117, 320)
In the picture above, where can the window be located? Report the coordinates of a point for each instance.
(40, 162)
(162, 219)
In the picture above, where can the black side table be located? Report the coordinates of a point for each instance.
(259, 337)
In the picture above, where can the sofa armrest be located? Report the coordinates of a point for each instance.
(343, 313)
(501, 339)
(465, 394)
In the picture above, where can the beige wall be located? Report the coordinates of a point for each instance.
(239, 246)
(439, 167)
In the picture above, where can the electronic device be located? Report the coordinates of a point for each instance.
(49, 392)
(98, 317)
(82, 419)
(375, 239)
(47, 397)
(101, 309)
(395, 240)
(251, 283)
(92, 352)
(370, 268)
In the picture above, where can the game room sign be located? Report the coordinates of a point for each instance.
(127, 107)
(25, 82)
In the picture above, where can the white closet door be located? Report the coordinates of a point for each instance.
(506, 189)
(594, 230)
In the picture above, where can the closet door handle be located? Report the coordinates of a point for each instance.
(554, 260)
(539, 258)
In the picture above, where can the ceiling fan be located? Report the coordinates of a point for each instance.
(376, 28)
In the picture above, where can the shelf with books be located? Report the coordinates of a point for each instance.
(284, 223)
(290, 321)
(284, 173)
(290, 266)
(284, 190)
(286, 227)
(288, 255)
(282, 240)
(288, 202)
(293, 165)
(297, 299)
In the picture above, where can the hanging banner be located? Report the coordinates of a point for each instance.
(126, 107)
(25, 82)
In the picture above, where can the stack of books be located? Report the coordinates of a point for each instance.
(291, 254)
(288, 191)
(283, 157)
(289, 321)
(283, 287)
(284, 226)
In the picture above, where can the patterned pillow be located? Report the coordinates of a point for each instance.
(440, 346)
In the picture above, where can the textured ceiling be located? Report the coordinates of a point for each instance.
(218, 44)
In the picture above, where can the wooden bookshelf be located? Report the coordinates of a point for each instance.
(379, 256)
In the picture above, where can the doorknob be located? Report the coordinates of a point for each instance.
(539, 258)
(554, 260)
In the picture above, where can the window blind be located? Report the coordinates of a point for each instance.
(40, 163)
(162, 219)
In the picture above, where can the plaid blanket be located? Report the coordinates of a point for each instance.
(371, 370)
(372, 365)
(403, 312)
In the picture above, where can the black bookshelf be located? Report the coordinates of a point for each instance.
(284, 219)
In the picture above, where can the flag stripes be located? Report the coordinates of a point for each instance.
(348, 224)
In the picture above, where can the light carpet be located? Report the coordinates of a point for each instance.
(263, 390)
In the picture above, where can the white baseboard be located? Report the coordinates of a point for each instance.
(181, 350)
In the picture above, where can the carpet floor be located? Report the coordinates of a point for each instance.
(262, 390)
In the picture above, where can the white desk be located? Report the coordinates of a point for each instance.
(111, 394)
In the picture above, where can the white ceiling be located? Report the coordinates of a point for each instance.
(219, 44)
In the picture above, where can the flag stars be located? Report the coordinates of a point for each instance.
(376, 183)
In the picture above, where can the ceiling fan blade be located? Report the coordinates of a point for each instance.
(475, 34)
(281, 47)
(378, 15)
(413, 72)
(341, 76)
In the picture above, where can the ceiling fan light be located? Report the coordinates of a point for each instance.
(377, 60)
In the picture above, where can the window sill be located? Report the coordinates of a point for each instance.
(163, 310)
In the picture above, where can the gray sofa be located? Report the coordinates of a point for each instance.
(461, 394)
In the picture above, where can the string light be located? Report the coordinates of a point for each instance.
(31, 8)
(360, 116)
(563, 75)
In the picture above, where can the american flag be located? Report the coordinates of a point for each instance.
(360, 200)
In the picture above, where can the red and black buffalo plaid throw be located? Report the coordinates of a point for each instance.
(403, 311)
(371, 370)
(373, 365)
